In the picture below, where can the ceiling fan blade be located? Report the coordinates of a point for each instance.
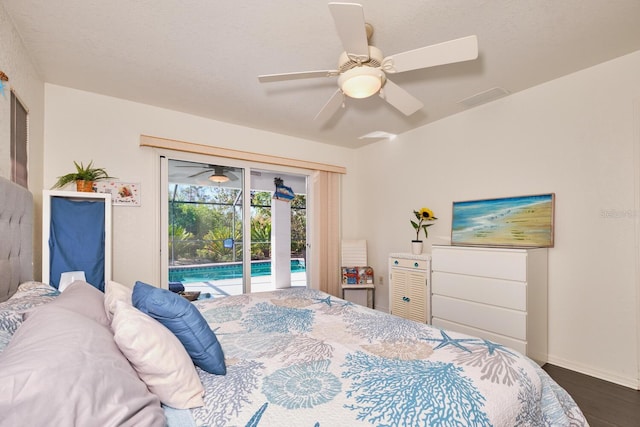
(458, 50)
(400, 98)
(295, 76)
(349, 20)
(331, 107)
(195, 165)
(200, 173)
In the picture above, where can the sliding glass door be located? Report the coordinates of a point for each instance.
(220, 236)
(278, 230)
(205, 242)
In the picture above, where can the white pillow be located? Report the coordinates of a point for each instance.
(114, 292)
(158, 356)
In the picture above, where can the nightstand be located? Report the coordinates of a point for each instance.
(360, 294)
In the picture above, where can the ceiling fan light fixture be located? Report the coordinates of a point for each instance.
(219, 178)
(361, 82)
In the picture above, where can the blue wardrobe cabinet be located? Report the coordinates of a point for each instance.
(76, 236)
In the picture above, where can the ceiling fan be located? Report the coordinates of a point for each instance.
(362, 69)
(219, 174)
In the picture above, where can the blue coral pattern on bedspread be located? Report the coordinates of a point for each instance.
(28, 296)
(299, 357)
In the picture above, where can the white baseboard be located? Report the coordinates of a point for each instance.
(633, 383)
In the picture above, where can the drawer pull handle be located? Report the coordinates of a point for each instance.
(415, 264)
(395, 262)
(407, 299)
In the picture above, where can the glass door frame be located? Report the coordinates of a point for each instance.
(247, 166)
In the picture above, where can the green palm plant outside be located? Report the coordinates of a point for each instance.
(181, 243)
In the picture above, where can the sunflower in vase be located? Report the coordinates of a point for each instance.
(424, 218)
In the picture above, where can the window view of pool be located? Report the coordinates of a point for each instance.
(224, 271)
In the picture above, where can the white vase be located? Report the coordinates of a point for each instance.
(416, 247)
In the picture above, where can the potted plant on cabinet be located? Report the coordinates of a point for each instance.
(84, 177)
(422, 216)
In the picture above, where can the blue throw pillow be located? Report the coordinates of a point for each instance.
(186, 323)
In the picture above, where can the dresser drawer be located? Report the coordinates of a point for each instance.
(413, 264)
(500, 264)
(498, 320)
(499, 292)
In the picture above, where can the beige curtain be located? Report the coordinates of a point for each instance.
(325, 246)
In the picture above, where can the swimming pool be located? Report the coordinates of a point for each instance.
(227, 270)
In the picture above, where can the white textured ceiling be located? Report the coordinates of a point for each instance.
(203, 56)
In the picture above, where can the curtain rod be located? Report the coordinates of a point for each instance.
(190, 147)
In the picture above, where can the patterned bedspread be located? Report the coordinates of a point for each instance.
(299, 357)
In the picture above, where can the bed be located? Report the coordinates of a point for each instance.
(292, 357)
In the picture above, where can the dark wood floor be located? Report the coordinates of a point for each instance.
(603, 403)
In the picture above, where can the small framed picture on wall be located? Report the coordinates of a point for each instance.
(122, 193)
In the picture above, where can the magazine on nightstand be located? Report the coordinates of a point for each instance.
(357, 276)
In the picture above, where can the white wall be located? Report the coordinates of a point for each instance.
(29, 87)
(575, 136)
(84, 126)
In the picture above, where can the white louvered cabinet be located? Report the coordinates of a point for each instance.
(499, 294)
(409, 286)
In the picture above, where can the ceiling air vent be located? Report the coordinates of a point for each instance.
(378, 134)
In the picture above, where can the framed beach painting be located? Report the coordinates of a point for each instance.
(523, 221)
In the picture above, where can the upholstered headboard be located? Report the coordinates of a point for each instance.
(16, 237)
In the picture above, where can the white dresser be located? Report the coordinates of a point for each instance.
(493, 293)
(409, 286)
